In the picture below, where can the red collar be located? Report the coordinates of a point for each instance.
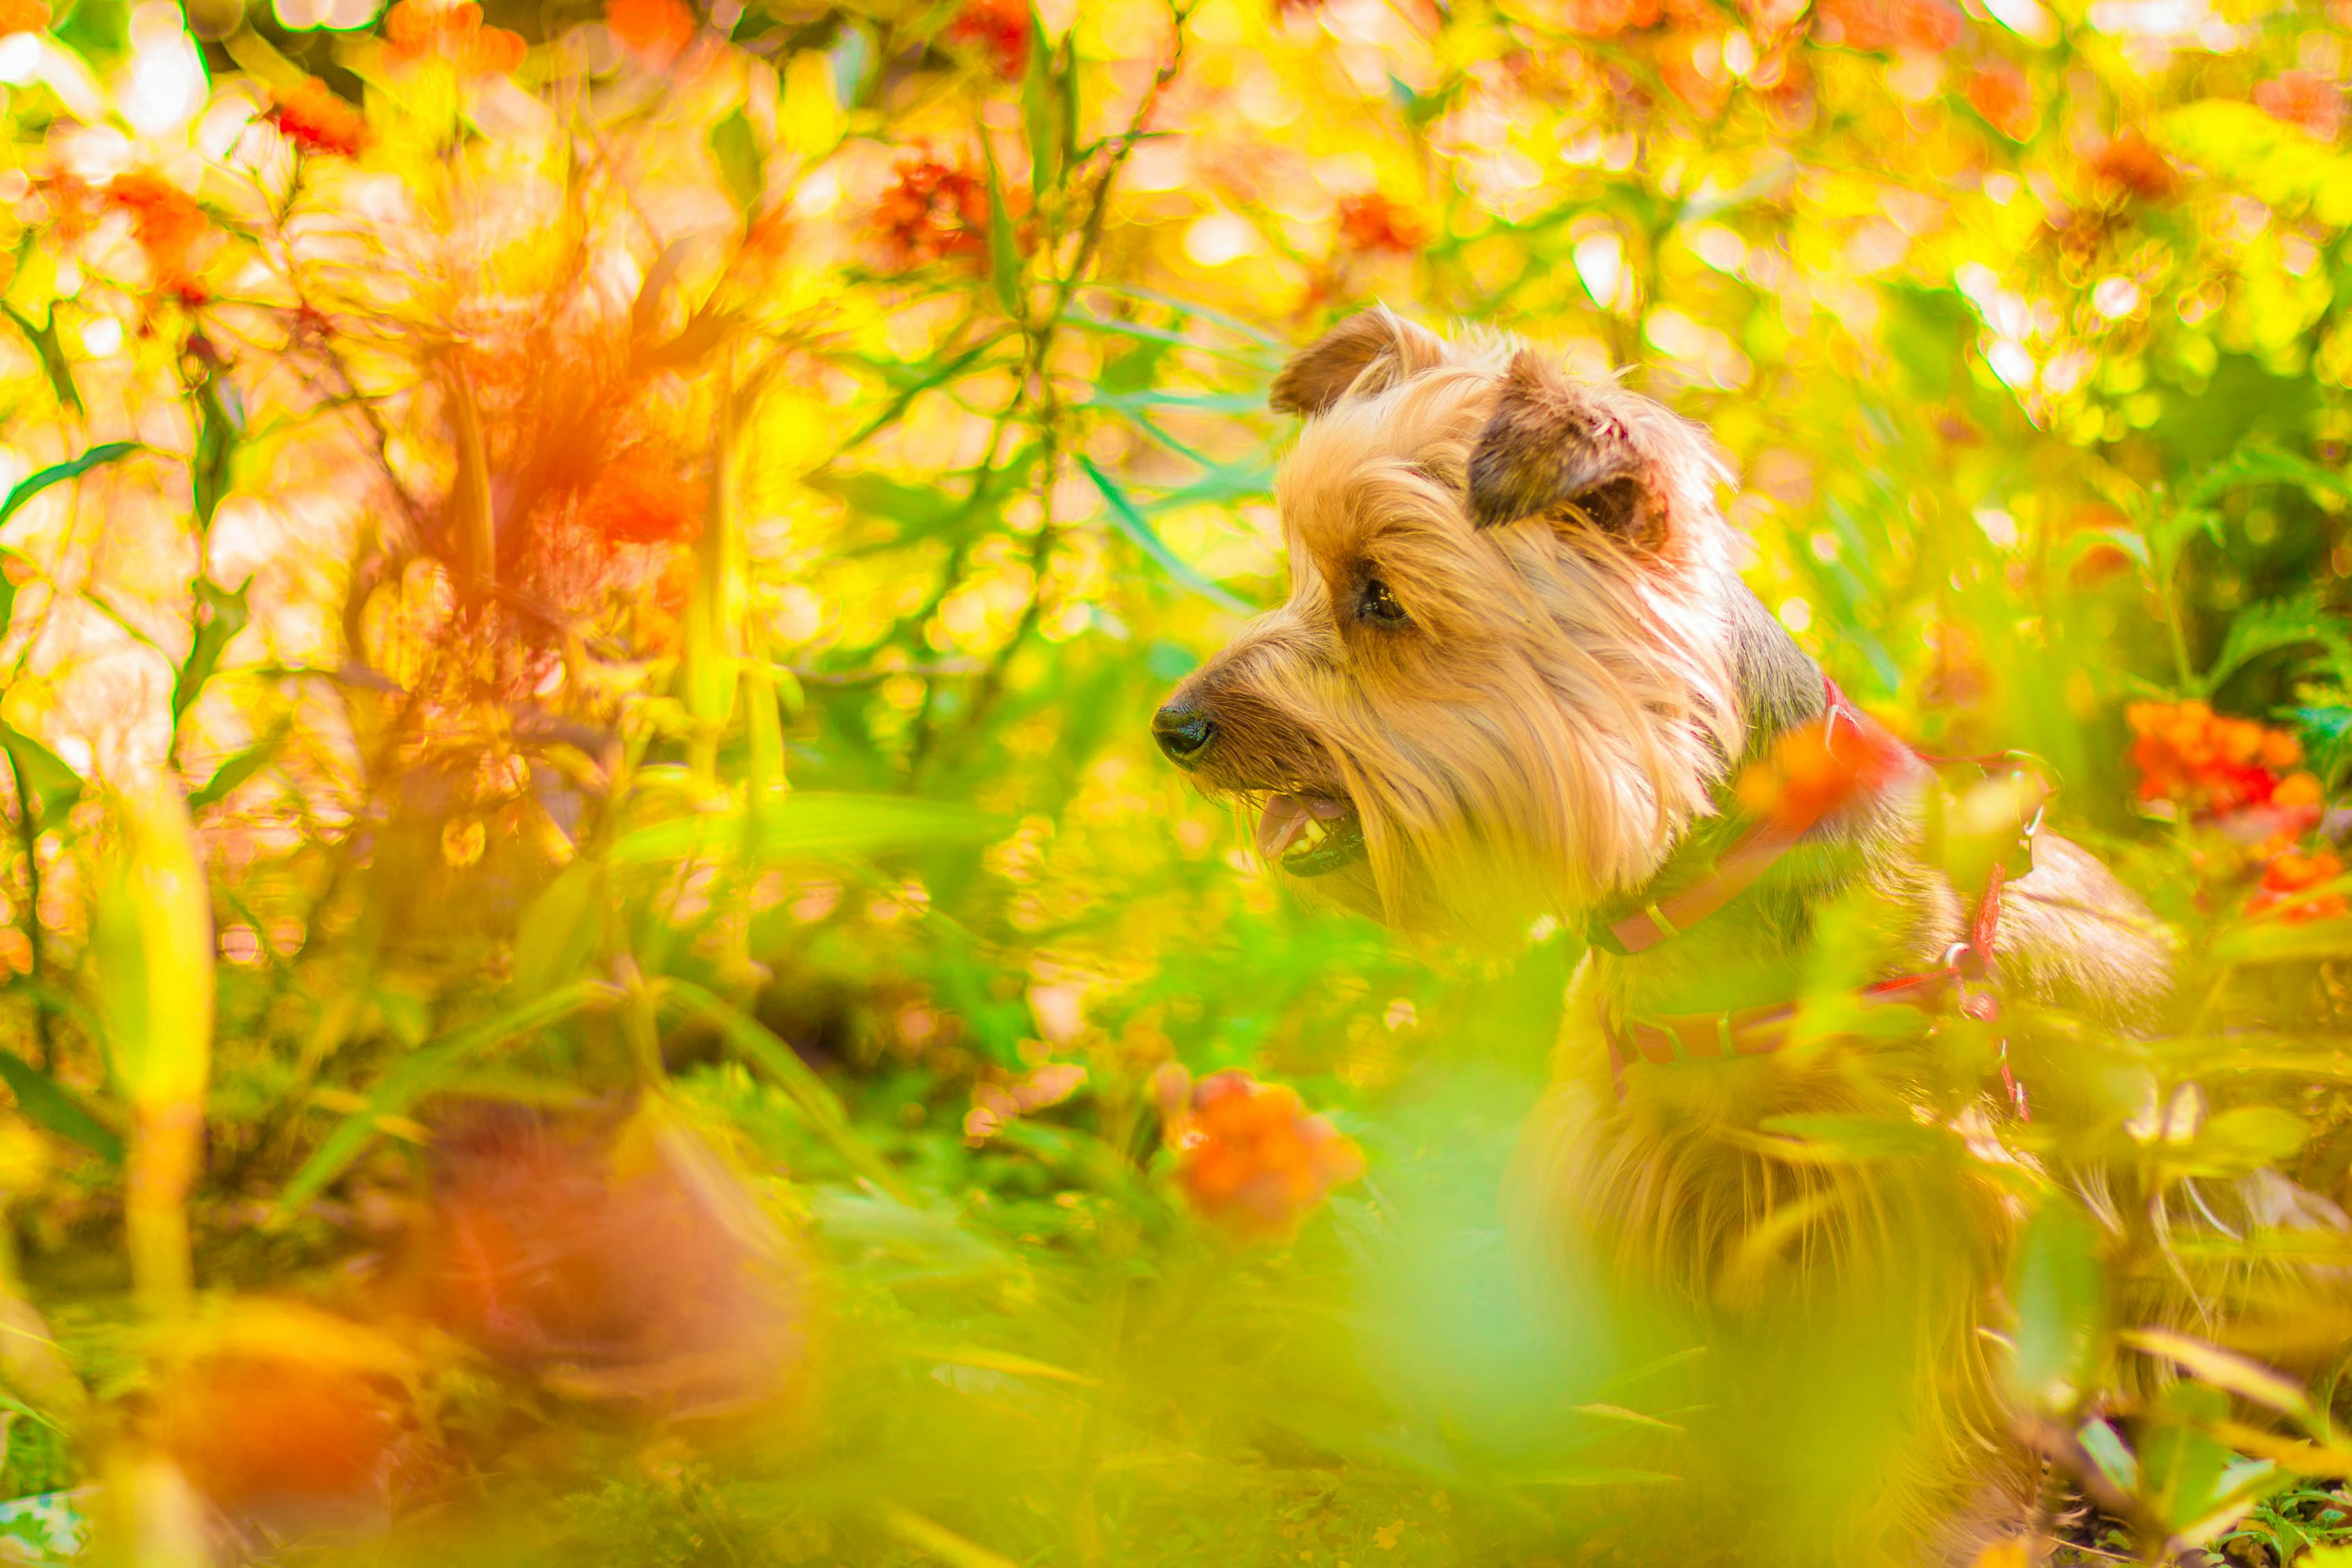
(1965, 978)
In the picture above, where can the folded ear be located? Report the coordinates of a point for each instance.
(1558, 448)
(1369, 352)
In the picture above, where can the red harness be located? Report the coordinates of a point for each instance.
(1966, 976)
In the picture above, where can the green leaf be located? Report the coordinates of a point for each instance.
(807, 825)
(2299, 621)
(558, 933)
(218, 432)
(51, 353)
(737, 150)
(238, 769)
(47, 1105)
(1041, 110)
(219, 616)
(39, 771)
(1003, 244)
(2060, 1298)
(809, 1093)
(58, 473)
(2225, 1370)
(1131, 522)
(419, 1073)
(2246, 1137)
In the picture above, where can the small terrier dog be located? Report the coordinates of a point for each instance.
(1517, 675)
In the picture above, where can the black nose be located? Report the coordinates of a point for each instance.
(1183, 731)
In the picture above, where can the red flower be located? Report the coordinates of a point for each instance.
(311, 116)
(23, 17)
(1371, 221)
(2286, 887)
(2131, 166)
(933, 212)
(1250, 1159)
(2000, 92)
(659, 29)
(641, 499)
(2211, 766)
(2301, 97)
(168, 225)
(1817, 769)
(421, 29)
(1877, 26)
(1002, 27)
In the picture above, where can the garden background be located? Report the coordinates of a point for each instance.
(598, 962)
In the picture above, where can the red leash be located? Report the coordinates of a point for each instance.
(1966, 972)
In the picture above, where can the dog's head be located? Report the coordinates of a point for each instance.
(1505, 679)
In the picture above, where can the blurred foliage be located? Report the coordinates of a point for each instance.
(646, 539)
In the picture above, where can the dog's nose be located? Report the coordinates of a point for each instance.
(1183, 731)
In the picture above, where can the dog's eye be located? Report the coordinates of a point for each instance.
(1380, 606)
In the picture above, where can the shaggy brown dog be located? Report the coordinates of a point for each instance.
(1515, 676)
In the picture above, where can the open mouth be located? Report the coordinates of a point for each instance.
(1310, 835)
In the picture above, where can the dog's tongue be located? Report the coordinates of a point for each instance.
(1285, 814)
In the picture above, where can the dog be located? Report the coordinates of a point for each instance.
(1517, 675)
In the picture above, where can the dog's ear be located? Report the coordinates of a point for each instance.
(1555, 448)
(1369, 352)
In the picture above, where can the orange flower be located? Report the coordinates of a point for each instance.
(1817, 769)
(1608, 18)
(252, 1429)
(934, 211)
(659, 29)
(2000, 92)
(1878, 25)
(1370, 221)
(2131, 166)
(311, 116)
(2301, 97)
(421, 30)
(641, 499)
(167, 224)
(632, 1265)
(23, 17)
(1252, 1161)
(2287, 886)
(2211, 766)
(1002, 27)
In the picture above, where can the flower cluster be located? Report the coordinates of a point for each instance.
(419, 30)
(2208, 765)
(934, 211)
(1816, 769)
(2286, 889)
(2131, 167)
(2001, 93)
(1252, 1160)
(1929, 26)
(1371, 221)
(640, 497)
(659, 29)
(998, 27)
(2302, 98)
(2243, 777)
(313, 119)
(168, 225)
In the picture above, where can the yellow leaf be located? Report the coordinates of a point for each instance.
(812, 120)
